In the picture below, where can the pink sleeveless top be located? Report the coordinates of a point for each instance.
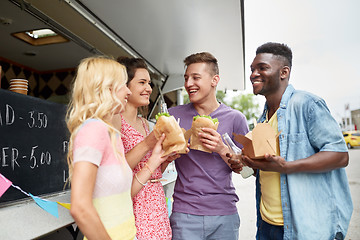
(151, 215)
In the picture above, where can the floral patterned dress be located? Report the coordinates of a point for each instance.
(151, 214)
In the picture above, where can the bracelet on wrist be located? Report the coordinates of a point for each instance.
(136, 177)
(148, 168)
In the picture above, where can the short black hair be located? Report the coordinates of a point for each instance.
(277, 49)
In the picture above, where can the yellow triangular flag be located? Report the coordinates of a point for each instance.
(65, 205)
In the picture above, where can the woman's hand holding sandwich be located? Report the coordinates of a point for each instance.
(175, 140)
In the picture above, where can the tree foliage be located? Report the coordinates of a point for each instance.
(220, 95)
(186, 99)
(246, 104)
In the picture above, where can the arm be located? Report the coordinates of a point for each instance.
(144, 175)
(213, 141)
(319, 162)
(240, 127)
(82, 208)
(164, 166)
(168, 161)
(332, 150)
(171, 158)
(134, 156)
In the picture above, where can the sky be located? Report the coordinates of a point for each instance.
(324, 36)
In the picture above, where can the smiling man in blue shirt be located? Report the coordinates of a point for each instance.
(303, 193)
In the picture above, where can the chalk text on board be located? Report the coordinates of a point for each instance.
(34, 119)
(65, 176)
(9, 116)
(45, 158)
(65, 146)
(37, 119)
(10, 157)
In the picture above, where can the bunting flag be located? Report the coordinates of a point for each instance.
(169, 205)
(65, 205)
(4, 184)
(49, 206)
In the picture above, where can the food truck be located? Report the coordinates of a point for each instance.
(43, 41)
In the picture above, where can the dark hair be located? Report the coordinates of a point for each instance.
(131, 65)
(278, 49)
(203, 57)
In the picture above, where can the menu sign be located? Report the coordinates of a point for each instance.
(33, 145)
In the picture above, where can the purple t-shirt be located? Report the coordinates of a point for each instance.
(204, 183)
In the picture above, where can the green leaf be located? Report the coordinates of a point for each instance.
(215, 120)
(162, 114)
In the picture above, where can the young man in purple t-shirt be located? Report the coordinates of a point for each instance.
(204, 196)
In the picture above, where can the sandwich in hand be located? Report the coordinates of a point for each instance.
(199, 122)
(174, 136)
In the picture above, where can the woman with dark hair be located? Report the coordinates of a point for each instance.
(151, 215)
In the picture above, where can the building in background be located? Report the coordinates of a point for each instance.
(351, 121)
(355, 119)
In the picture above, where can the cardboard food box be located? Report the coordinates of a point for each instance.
(263, 139)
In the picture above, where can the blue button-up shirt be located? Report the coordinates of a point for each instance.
(314, 205)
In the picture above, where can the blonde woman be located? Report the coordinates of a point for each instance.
(150, 209)
(102, 182)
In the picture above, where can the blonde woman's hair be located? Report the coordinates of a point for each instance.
(93, 96)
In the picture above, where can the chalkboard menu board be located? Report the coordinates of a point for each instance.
(33, 145)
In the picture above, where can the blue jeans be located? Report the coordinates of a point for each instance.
(267, 231)
(195, 227)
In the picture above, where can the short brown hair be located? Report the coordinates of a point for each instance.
(203, 57)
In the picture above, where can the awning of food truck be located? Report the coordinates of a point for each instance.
(165, 32)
